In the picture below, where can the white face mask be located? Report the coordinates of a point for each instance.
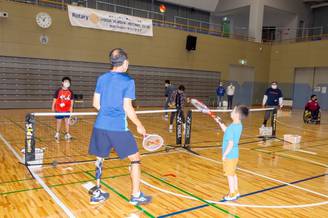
(66, 85)
(274, 86)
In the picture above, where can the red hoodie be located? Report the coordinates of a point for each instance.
(312, 105)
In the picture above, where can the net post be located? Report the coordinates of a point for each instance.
(29, 138)
(179, 127)
(274, 121)
(188, 129)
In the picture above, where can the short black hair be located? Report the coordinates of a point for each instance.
(66, 78)
(117, 57)
(312, 96)
(181, 88)
(275, 82)
(167, 81)
(243, 111)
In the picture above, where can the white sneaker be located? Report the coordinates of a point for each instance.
(166, 117)
(57, 136)
(68, 136)
(171, 128)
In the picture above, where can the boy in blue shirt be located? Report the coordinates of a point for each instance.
(230, 150)
(113, 97)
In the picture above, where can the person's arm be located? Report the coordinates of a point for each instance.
(72, 102)
(265, 98)
(53, 105)
(55, 96)
(227, 151)
(96, 101)
(130, 112)
(222, 125)
(96, 96)
(281, 99)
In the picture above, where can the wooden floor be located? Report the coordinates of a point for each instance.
(277, 179)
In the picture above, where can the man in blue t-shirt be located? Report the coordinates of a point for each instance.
(113, 97)
(272, 98)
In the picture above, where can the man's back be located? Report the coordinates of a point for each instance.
(113, 88)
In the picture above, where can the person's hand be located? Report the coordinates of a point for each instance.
(141, 130)
(53, 109)
(281, 106)
(224, 158)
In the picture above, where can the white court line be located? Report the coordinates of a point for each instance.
(307, 152)
(40, 181)
(68, 212)
(11, 149)
(263, 176)
(301, 158)
(235, 204)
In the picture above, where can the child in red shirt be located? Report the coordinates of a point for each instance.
(63, 103)
(313, 106)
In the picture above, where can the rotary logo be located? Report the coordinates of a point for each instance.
(94, 18)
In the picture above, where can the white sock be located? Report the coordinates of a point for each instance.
(137, 195)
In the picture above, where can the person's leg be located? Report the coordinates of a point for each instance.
(166, 107)
(266, 117)
(100, 146)
(59, 121)
(99, 165)
(236, 183)
(135, 173)
(231, 182)
(221, 103)
(218, 101)
(125, 145)
(172, 117)
(67, 125)
(229, 101)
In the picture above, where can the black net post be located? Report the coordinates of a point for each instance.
(29, 138)
(274, 122)
(188, 128)
(179, 127)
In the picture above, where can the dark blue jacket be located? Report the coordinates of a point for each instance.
(220, 91)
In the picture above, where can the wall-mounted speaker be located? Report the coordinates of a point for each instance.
(191, 42)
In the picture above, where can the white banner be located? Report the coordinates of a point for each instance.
(104, 20)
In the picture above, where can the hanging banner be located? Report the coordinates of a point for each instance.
(104, 20)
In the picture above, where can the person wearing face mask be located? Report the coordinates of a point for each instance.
(314, 107)
(272, 98)
(177, 101)
(220, 94)
(63, 103)
(169, 89)
(230, 94)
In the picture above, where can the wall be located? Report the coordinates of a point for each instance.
(20, 37)
(286, 57)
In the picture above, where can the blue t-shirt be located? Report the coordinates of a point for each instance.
(113, 87)
(233, 132)
(273, 96)
(220, 91)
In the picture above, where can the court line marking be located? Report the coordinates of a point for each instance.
(280, 154)
(20, 159)
(62, 184)
(68, 212)
(222, 202)
(40, 181)
(61, 174)
(263, 176)
(190, 195)
(121, 195)
(284, 155)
